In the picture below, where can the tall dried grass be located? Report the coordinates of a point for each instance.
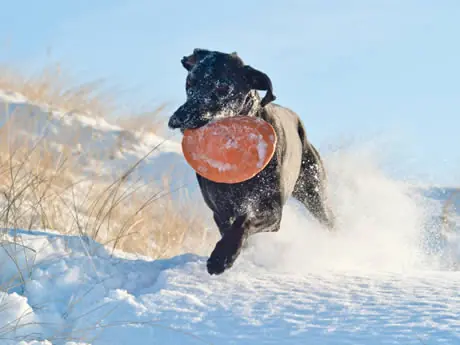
(42, 188)
(39, 189)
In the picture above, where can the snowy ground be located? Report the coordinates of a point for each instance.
(388, 276)
(279, 292)
(374, 284)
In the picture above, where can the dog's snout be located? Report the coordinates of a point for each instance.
(179, 118)
(187, 115)
(174, 122)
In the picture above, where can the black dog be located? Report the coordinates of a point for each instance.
(220, 84)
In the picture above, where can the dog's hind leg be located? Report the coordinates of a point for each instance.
(310, 186)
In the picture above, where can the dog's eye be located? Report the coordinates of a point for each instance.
(222, 89)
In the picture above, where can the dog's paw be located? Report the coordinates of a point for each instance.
(217, 265)
(224, 255)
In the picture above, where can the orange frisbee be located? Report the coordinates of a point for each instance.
(230, 150)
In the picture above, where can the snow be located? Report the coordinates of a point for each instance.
(103, 299)
(261, 145)
(221, 166)
(387, 276)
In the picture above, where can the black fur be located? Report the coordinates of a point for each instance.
(220, 84)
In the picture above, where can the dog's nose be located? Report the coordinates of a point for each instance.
(178, 119)
(181, 117)
(174, 122)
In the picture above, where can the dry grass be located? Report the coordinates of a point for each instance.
(41, 188)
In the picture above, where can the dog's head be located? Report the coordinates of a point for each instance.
(218, 84)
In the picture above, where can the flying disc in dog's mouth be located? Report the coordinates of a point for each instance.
(230, 150)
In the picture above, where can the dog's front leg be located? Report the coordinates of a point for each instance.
(229, 247)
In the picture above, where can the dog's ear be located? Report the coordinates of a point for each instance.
(260, 81)
(198, 54)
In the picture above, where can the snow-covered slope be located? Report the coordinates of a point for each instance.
(387, 276)
(289, 288)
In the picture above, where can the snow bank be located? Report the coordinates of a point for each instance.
(75, 292)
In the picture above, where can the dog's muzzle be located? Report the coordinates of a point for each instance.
(174, 122)
(180, 118)
(187, 116)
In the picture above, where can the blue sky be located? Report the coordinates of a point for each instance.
(386, 71)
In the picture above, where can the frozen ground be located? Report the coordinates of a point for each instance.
(388, 276)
